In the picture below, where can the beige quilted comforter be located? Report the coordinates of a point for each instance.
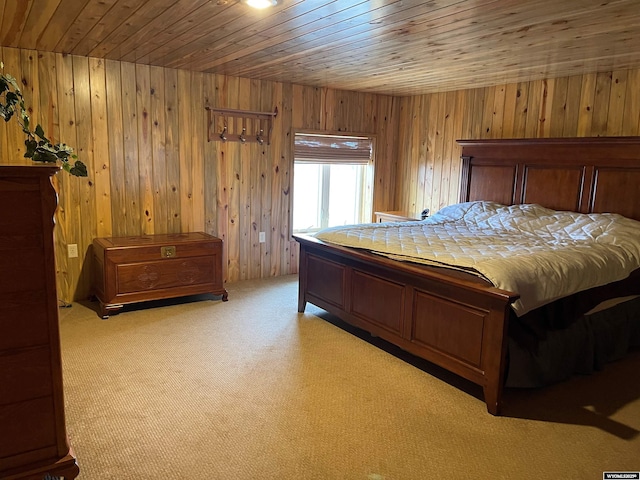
(539, 253)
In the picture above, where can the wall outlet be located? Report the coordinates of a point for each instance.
(262, 237)
(72, 249)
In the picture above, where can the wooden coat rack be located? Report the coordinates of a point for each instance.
(228, 125)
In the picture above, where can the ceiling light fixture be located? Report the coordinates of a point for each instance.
(261, 4)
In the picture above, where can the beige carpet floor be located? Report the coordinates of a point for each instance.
(250, 389)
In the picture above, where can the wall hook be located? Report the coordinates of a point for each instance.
(251, 121)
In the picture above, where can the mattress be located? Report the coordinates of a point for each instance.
(513, 247)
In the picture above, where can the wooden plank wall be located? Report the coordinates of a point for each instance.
(605, 104)
(142, 131)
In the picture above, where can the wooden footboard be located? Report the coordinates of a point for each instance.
(457, 324)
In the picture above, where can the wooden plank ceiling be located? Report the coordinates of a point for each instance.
(396, 47)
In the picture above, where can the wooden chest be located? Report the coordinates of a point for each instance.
(154, 267)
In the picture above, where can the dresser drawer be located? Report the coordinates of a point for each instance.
(32, 422)
(26, 316)
(25, 374)
(27, 427)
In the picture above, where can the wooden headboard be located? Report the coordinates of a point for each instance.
(588, 175)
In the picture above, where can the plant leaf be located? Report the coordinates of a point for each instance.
(79, 169)
(37, 146)
(44, 156)
(39, 131)
(31, 148)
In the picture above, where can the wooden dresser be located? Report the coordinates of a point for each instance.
(33, 439)
(155, 267)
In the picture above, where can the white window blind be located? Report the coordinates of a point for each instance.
(312, 148)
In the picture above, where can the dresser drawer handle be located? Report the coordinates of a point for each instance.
(168, 252)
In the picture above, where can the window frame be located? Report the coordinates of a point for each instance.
(367, 189)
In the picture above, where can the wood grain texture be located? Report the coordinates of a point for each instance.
(15, 138)
(68, 229)
(100, 137)
(132, 206)
(85, 207)
(143, 109)
(143, 129)
(32, 421)
(113, 83)
(158, 149)
(603, 104)
(194, 266)
(172, 150)
(387, 47)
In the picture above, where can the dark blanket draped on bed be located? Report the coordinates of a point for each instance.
(532, 327)
(582, 348)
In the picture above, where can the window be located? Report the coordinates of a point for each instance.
(332, 181)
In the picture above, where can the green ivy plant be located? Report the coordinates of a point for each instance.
(38, 147)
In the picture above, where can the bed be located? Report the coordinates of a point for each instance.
(459, 321)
